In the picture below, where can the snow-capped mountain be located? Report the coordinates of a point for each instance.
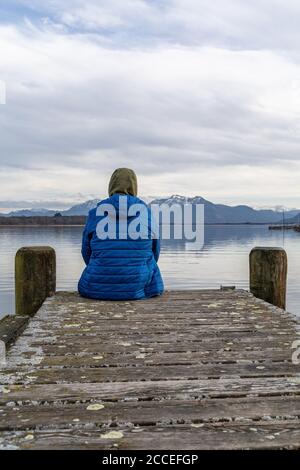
(223, 214)
(214, 213)
(81, 209)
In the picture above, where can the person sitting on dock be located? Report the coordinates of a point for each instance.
(120, 266)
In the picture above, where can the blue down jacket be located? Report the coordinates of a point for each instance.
(119, 269)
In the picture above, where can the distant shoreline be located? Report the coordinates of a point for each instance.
(41, 221)
(79, 221)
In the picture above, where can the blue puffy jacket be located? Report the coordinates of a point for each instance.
(119, 269)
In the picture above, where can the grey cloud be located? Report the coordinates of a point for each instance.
(118, 119)
(142, 91)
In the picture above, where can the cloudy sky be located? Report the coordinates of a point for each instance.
(199, 97)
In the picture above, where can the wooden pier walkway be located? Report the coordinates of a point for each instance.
(207, 369)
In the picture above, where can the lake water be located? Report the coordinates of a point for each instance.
(223, 260)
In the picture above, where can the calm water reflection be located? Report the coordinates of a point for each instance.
(223, 260)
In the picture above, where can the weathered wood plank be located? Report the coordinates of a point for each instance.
(209, 342)
(150, 356)
(168, 336)
(284, 435)
(150, 413)
(77, 326)
(98, 373)
(187, 389)
(11, 327)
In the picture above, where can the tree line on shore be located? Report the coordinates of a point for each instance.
(44, 220)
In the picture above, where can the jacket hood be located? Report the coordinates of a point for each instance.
(123, 181)
(121, 203)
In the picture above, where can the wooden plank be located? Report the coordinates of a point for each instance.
(49, 343)
(99, 373)
(11, 327)
(187, 389)
(282, 435)
(150, 413)
(191, 336)
(150, 356)
(79, 326)
(173, 322)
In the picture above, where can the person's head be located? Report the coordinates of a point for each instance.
(123, 181)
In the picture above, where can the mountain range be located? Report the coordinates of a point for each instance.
(293, 220)
(214, 213)
(78, 209)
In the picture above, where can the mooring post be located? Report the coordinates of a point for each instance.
(268, 275)
(35, 278)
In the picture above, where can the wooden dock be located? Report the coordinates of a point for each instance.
(295, 227)
(207, 369)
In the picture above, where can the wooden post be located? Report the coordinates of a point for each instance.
(268, 275)
(35, 278)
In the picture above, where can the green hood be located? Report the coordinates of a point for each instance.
(123, 181)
